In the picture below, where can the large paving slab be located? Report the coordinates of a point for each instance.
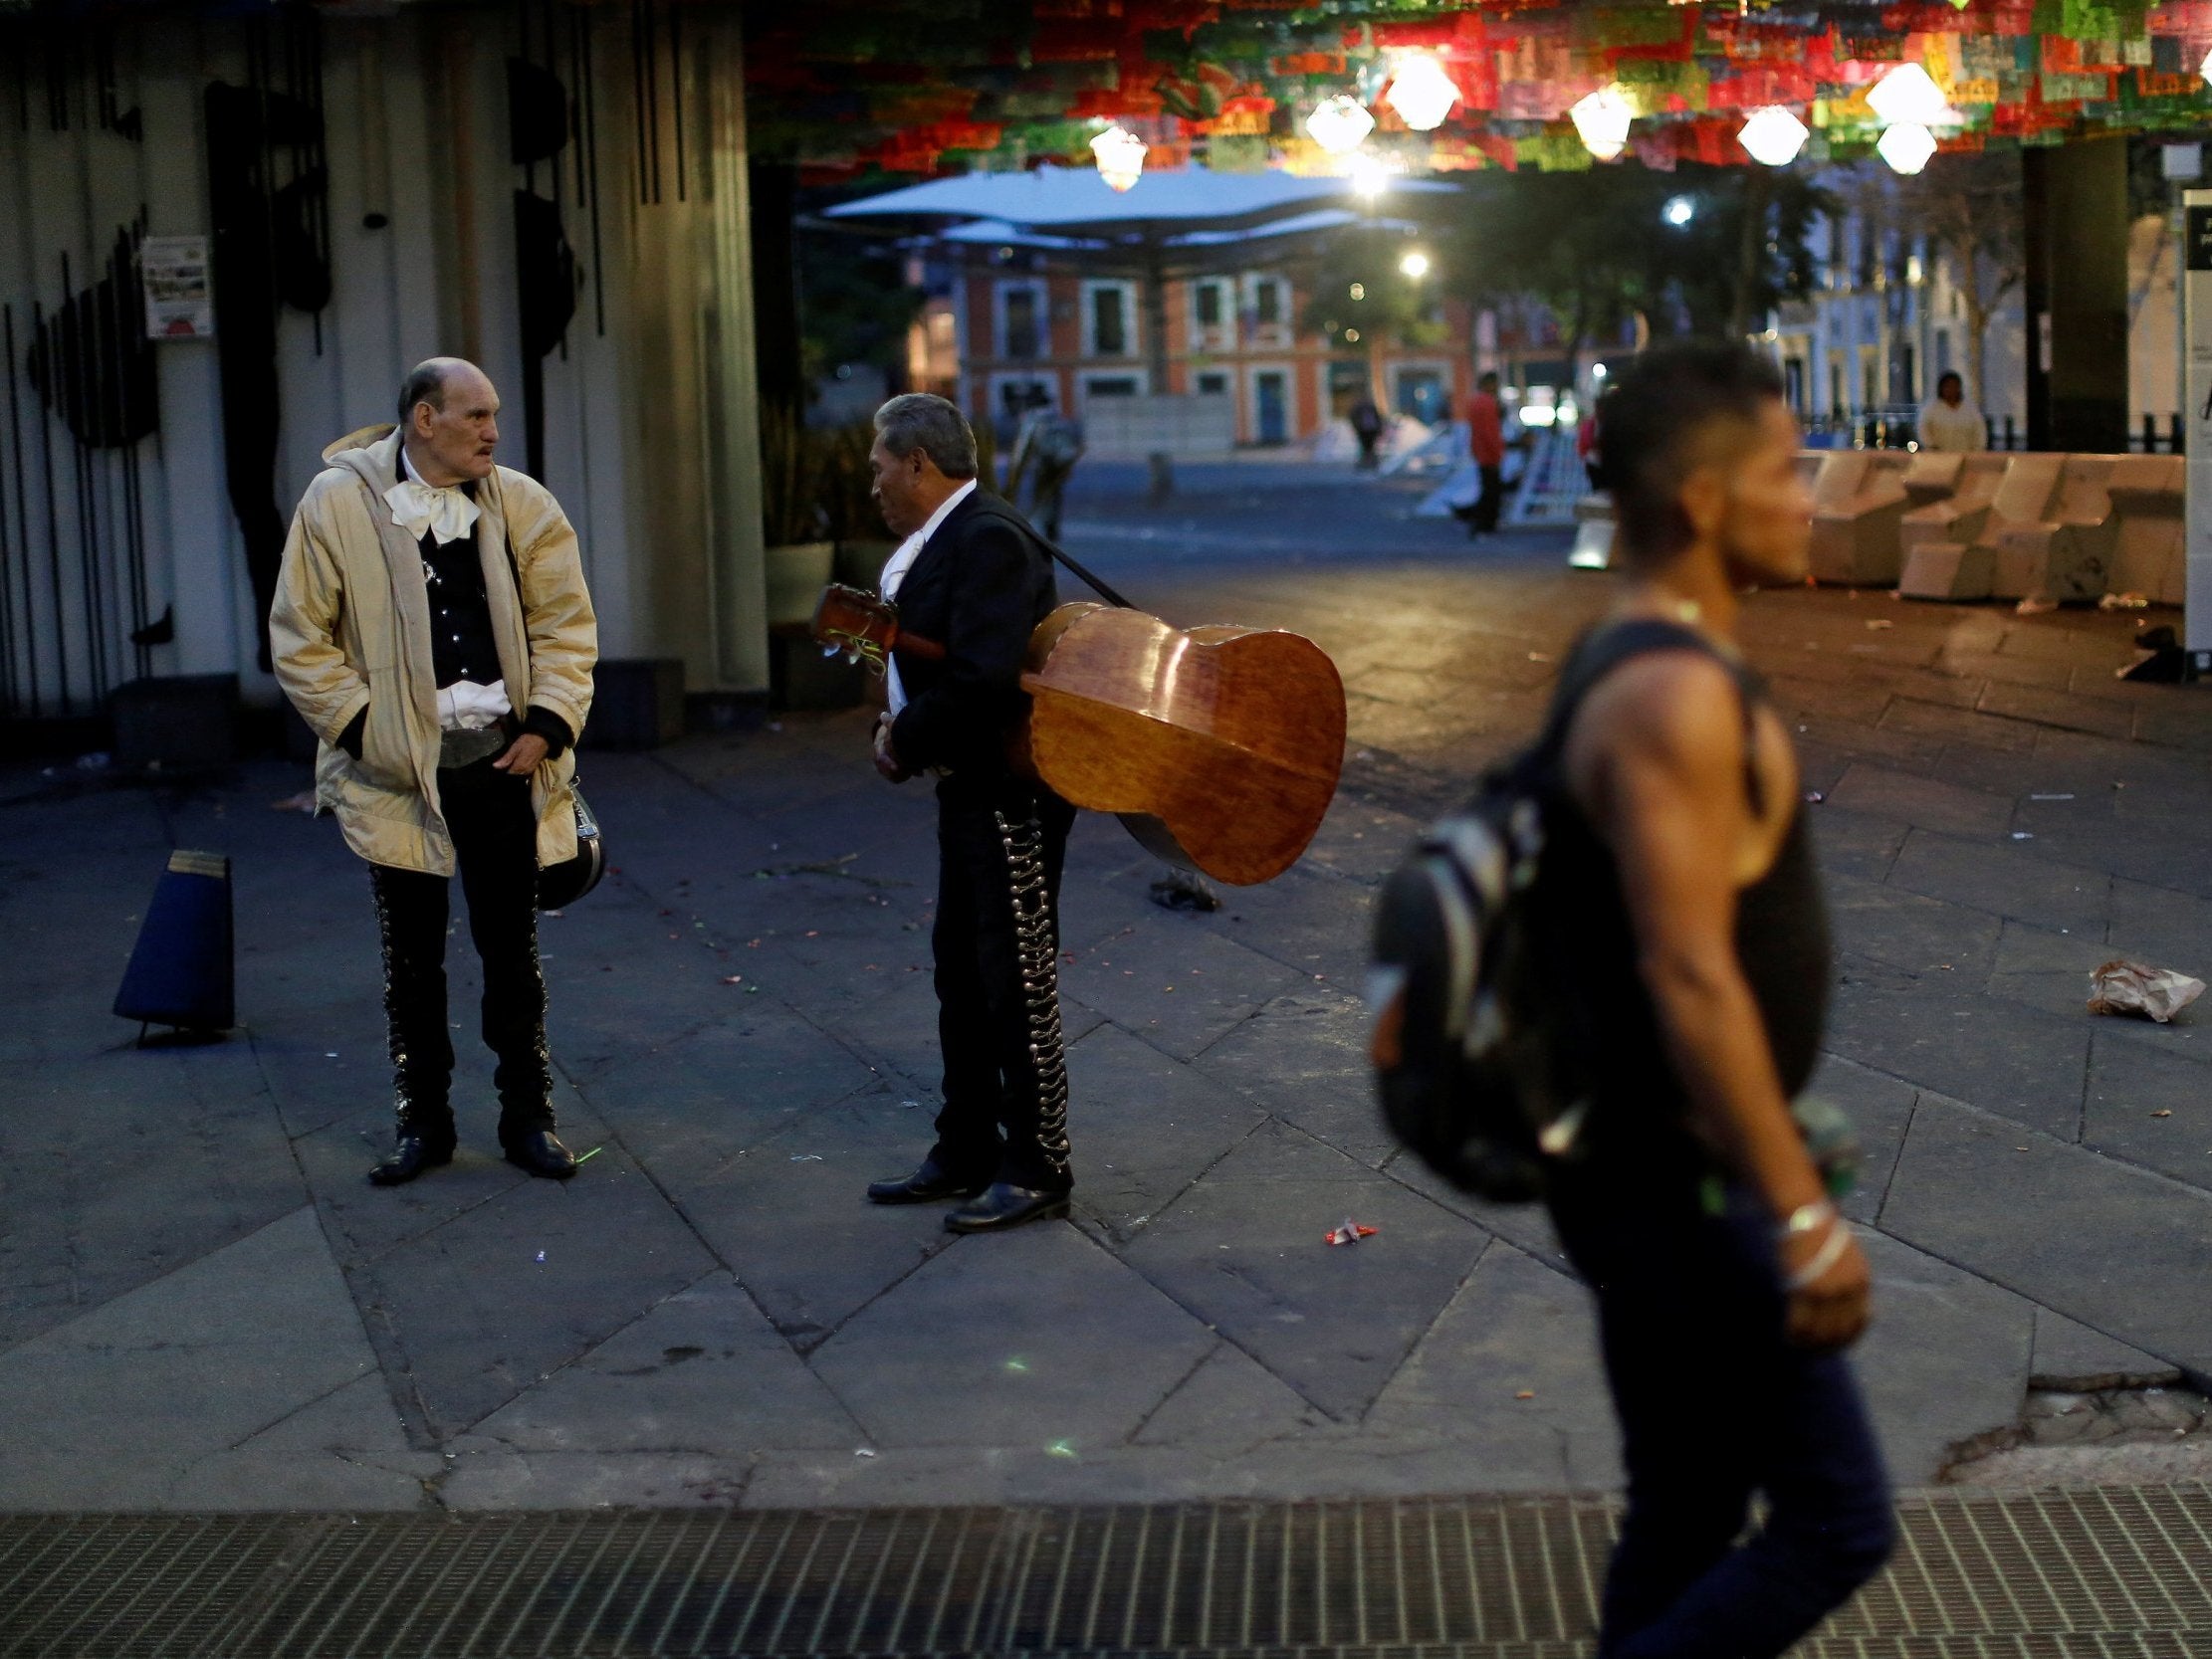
(996, 1342)
(2109, 1246)
(1246, 1248)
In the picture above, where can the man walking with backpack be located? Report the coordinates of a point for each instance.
(1678, 871)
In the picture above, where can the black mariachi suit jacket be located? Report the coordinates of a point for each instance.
(980, 586)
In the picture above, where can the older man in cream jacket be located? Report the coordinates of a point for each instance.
(431, 625)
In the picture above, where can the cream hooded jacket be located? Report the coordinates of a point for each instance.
(351, 628)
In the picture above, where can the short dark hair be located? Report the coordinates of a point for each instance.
(425, 383)
(922, 421)
(1948, 375)
(1653, 419)
(1488, 380)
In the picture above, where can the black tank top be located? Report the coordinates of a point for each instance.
(1782, 936)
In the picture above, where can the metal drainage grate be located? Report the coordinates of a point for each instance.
(2022, 1576)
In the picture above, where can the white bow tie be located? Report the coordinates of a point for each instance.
(445, 512)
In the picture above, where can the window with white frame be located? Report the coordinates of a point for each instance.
(1212, 313)
(1109, 320)
(1113, 385)
(1023, 322)
(1270, 300)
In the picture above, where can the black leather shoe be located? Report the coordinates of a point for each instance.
(1003, 1207)
(410, 1158)
(926, 1185)
(542, 1154)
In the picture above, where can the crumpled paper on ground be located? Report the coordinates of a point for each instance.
(2124, 988)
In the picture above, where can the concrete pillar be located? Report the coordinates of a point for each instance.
(733, 406)
(2076, 206)
(2196, 334)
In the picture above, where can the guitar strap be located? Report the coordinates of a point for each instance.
(1104, 592)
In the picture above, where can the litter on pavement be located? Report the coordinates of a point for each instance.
(2124, 988)
(1351, 1233)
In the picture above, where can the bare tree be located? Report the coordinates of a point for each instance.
(1971, 210)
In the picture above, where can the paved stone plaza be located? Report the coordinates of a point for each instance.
(202, 1305)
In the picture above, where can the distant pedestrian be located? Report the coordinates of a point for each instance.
(431, 625)
(1367, 427)
(1046, 447)
(1587, 439)
(1948, 422)
(1486, 444)
(1679, 868)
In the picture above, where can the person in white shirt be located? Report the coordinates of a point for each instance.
(1948, 422)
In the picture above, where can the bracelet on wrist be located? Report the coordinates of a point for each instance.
(1826, 1257)
(1806, 1217)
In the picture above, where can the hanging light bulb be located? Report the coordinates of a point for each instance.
(1369, 176)
(1339, 125)
(1908, 93)
(1907, 147)
(1422, 92)
(1773, 136)
(1603, 120)
(1121, 157)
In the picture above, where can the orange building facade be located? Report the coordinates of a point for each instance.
(990, 334)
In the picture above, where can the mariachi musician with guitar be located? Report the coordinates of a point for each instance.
(1219, 746)
(973, 575)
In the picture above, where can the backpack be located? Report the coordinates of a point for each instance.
(1475, 1042)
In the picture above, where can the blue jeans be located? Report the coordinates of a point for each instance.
(1715, 1408)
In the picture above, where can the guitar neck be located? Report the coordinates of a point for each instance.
(918, 645)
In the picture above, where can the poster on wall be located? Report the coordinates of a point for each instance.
(179, 305)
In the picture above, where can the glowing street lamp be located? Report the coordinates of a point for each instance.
(1907, 147)
(1422, 93)
(1908, 95)
(1121, 157)
(1369, 176)
(1339, 124)
(1603, 120)
(1774, 135)
(1678, 211)
(1415, 265)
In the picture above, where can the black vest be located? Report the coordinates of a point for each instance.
(461, 642)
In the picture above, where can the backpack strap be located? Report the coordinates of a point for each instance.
(1608, 646)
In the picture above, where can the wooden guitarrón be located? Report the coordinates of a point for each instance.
(1219, 746)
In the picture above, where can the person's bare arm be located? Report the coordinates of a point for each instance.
(1657, 763)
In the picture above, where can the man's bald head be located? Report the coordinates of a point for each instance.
(427, 382)
(449, 418)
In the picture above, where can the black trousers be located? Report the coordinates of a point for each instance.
(495, 842)
(1045, 495)
(1001, 848)
(1490, 501)
(1753, 1417)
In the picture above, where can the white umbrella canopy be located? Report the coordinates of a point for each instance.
(1075, 201)
(1190, 251)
